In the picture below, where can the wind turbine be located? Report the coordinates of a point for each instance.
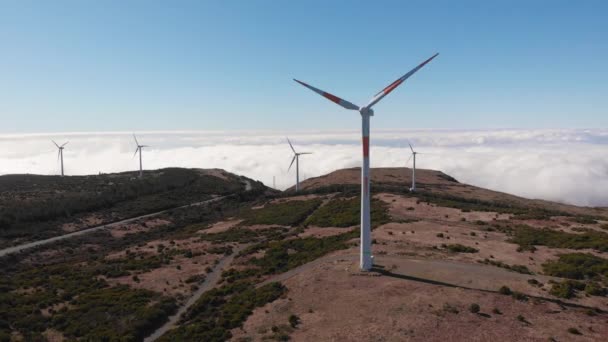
(366, 112)
(60, 153)
(296, 158)
(139, 149)
(414, 153)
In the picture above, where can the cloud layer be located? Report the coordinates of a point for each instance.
(568, 166)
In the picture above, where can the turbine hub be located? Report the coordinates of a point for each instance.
(366, 111)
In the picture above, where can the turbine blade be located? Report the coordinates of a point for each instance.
(134, 137)
(411, 148)
(305, 153)
(58, 154)
(333, 98)
(294, 159)
(290, 145)
(55, 143)
(395, 84)
(136, 150)
(408, 159)
(65, 143)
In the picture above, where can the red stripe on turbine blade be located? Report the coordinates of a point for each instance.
(392, 86)
(365, 146)
(332, 98)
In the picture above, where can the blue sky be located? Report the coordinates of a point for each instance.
(228, 65)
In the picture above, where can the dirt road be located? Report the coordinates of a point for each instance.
(210, 282)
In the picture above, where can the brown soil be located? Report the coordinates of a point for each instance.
(438, 182)
(168, 279)
(336, 303)
(132, 228)
(86, 222)
(221, 226)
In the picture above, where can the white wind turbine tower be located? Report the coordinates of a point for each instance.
(366, 112)
(139, 149)
(414, 153)
(60, 153)
(296, 158)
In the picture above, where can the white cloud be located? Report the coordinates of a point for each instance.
(561, 165)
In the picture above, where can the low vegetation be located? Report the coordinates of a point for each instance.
(290, 213)
(515, 268)
(341, 212)
(72, 300)
(281, 256)
(222, 309)
(458, 248)
(577, 266)
(566, 289)
(34, 207)
(526, 236)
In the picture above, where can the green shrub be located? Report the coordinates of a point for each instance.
(222, 309)
(577, 266)
(294, 321)
(566, 289)
(458, 248)
(290, 213)
(527, 236)
(504, 290)
(594, 289)
(346, 213)
(515, 268)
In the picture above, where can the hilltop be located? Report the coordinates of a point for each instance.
(452, 262)
(34, 207)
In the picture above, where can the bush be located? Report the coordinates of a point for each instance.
(458, 248)
(577, 266)
(515, 268)
(346, 213)
(294, 321)
(222, 309)
(566, 289)
(504, 290)
(594, 289)
(527, 236)
(574, 331)
(474, 308)
(289, 213)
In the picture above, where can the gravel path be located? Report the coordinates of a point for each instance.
(210, 282)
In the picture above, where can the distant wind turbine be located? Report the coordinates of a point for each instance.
(60, 153)
(414, 153)
(296, 158)
(366, 112)
(139, 149)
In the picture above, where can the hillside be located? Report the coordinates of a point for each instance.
(452, 262)
(34, 207)
(435, 182)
